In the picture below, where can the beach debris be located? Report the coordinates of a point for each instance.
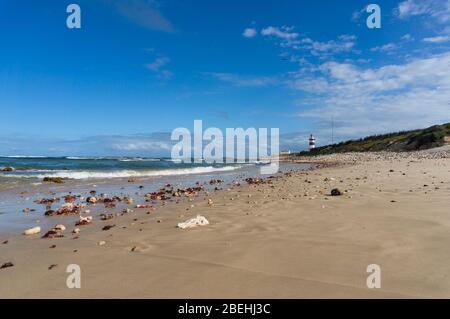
(52, 246)
(106, 216)
(28, 210)
(92, 200)
(70, 198)
(110, 205)
(215, 181)
(7, 169)
(53, 234)
(336, 192)
(56, 180)
(210, 202)
(46, 201)
(128, 200)
(66, 209)
(76, 231)
(7, 265)
(32, 231)
(59, 227)
(144, 206)
(52, 266)
(258, 181)
(101, 243)
(5, 242)
(84, 221)
(194, 222)
(108, 227)
(126, 211)
(49, 212)
(103, 198)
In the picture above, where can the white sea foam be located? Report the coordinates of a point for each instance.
(79, 158)
(128, 173)
(139, 159)
(22, 156)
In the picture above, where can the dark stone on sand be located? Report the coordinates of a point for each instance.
(7, 265)
(336, 192)
(7, 169)
(53, 234)
(108, 227)
(50, 213)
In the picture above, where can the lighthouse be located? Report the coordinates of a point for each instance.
(312, 142)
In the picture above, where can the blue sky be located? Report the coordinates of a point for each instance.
(138, 69)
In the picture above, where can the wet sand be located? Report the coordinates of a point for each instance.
(288, 239)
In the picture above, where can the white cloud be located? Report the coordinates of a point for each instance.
(249, 33)
(437, 39)
(375, 100)
(282, 33)
(437, 9)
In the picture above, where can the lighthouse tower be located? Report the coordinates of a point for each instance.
(312, 142)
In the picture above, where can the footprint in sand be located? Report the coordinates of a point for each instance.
(140, 247)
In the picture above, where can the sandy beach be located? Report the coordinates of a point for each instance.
(287, 238)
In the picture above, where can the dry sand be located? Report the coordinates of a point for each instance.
(291, 240)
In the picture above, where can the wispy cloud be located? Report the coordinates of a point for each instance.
(243, 81)
(158, 63)
(323, 49)
(437, 9)
(283, 32)
(144, 13)
(437, 39)
(389, 47)
(249, 33)
(158, 66)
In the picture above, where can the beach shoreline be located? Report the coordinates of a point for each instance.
(286, 237)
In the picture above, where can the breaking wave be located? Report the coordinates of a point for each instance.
(127, 173)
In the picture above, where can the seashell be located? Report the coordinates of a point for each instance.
(32, 231)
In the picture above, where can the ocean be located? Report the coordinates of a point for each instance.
(38, 167)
